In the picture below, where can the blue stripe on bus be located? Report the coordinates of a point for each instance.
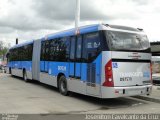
(59, 67)
(54, 68)
(42, 65)
(67, 68)
(78, 70)
(27, 65)
(84, 72)
(21, 65)
(46, 66)
(71, 69)
(89, 29)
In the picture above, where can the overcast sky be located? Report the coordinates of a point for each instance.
(32, 19)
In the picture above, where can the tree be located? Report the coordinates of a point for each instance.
(3, 50)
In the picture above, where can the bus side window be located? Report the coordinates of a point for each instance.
(56, 49)
(79, 48)
(91, 46)
(16, 54)
(20, 54)
(72, 50)
(67, 48)
(64, 49)
(47, 44)
(52, 50)
(42, 51)
(30, 51)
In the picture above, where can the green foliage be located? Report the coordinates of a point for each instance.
(3, 50)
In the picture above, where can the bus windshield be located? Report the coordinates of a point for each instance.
(122, 41)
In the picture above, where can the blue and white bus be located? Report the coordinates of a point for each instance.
(104, 61)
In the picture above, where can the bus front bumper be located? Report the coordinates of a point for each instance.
(115, 92)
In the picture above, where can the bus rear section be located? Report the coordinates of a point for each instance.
(126, 67)
(126, 77)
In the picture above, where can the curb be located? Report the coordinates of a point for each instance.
(148, 99)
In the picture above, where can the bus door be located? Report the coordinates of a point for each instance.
(93, 74)
(91, 48)
(75, 57)
(72, 57)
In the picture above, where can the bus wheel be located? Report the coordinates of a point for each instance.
(63, 86)
(25, 76)
(10, 71)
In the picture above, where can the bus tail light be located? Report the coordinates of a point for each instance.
(108, 75)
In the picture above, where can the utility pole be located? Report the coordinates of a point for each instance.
(77, 16)
(17, 36)
(16, 41)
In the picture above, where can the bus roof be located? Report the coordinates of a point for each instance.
(22, 44)
(71, 32)
(82, 30)
(91, 28)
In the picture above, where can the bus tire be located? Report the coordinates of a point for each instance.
(25, 76)
(63, 86)
(10, 71)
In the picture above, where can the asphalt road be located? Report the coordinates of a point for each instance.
(18, 97)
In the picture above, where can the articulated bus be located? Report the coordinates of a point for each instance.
(102, 60)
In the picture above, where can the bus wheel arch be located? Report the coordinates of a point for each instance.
(62, 84)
